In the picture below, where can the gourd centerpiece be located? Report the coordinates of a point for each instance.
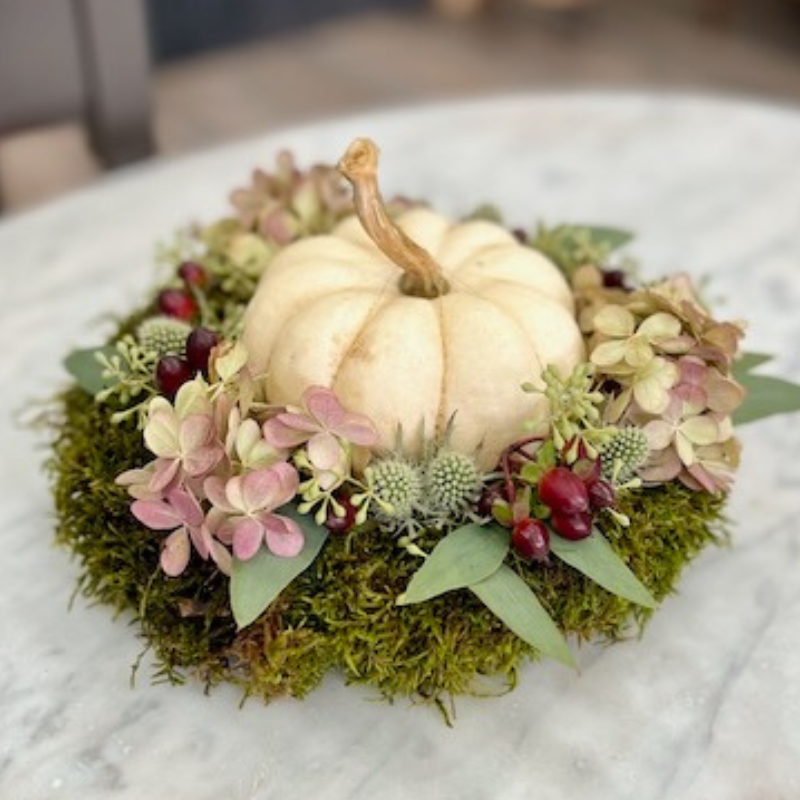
(414, 322)
(416, 451)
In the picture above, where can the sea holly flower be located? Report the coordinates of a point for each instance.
(181, 513)
(248, 502)
(327, 429)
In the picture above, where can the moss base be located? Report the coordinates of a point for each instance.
(341, 612)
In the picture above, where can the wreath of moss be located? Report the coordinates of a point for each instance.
(341, 612)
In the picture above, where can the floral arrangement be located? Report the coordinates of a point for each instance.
(267, 517)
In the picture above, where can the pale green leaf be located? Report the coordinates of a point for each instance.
(765, 396)
(87, 370)
(512, 601)
(255, 583)
(612, 238)
(596, 559)
(467, 555)
(748, 362)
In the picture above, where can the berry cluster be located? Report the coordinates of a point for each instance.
(173, 370)
(572, 497)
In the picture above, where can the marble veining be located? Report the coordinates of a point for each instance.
(705, 706)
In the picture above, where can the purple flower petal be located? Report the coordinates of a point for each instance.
(214, 488)
(221, 557)
(156, 514)
(358, 429)
(187, 507)
(258, 489)
(197, 431)
(280, 435)
(288, 483)
(165, 470)
(324, 406)
(201, 461)
(202, 541)
(248, 534)
(325, 453)
(175, 553)
(284, 536)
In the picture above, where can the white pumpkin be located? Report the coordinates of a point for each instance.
(414, 325)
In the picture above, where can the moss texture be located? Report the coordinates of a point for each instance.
(341, 612)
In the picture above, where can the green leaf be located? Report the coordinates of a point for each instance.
(86, 369)
(255, 583)
(748, 362)
(766, 396)
(467, 555)
(611, 238)
(510, 599)
(596, 559)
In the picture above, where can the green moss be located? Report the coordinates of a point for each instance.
(341, 612)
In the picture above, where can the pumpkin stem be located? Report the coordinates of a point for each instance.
(423, 276)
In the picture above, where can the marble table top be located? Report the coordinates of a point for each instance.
(705, 706)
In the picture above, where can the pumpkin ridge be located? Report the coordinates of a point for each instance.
(441, 422)
(510, 313)
(383, 300)
(541, 295)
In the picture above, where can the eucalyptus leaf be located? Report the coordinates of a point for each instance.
(748, 362)
(87, 370)
(512, 601)
(255, 583)
(467, 555)
(766, 396)
(596, 559)
(611, 238)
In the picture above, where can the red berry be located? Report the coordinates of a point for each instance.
(341, 524)
(177, 303)
(531, 539)
(199, 344)
(614, 279)
(588, 470)
(602, 495)
(171, 373)
(563, 491)
(572, 526)
(193, 274)
(487, 500)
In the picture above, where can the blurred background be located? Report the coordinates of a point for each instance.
(90, 85)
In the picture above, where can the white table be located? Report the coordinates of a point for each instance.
(707, 705)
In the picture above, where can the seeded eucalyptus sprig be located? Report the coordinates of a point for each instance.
(575, 417)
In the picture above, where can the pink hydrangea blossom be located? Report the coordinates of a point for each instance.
(248, 502)
(182, 444)
(181, 513)
(325, 427)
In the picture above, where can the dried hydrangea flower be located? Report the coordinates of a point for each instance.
(628, 346)
(327, 429)
(181, 513)
(288, 203)
(183, 437)
(248, 503)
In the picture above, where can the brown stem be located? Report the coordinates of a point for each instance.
(422, 275)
